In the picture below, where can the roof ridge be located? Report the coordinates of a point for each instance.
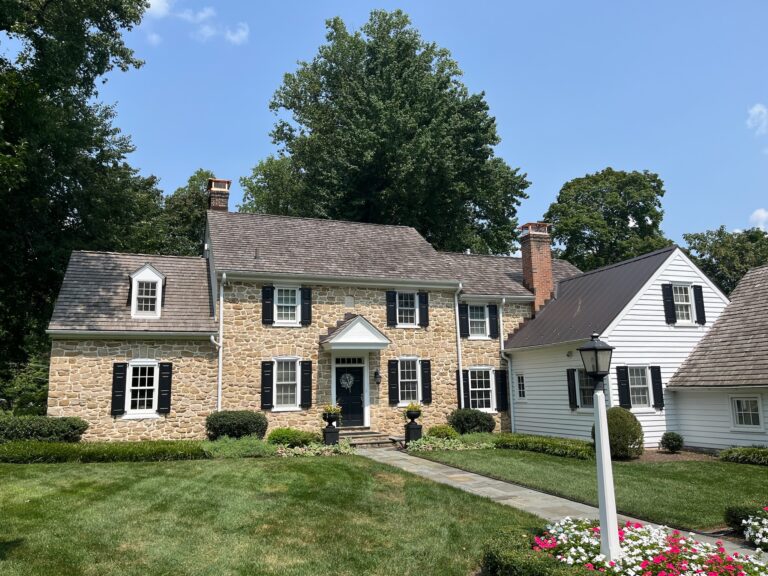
(310, 218)
(508, 256)
(142, 254)
(622, 263)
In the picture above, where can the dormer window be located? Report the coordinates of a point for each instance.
(146, 292)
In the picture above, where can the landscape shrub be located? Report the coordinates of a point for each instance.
(430, 443)
(747, 455)
(736, 514)
(466, 420)
(36, 451)
(236, 424)
(442, 431)
(514, 556)
(45, 428)
(478, 438)
(756, 529)
(671, 442)
(546, 445)
(292, 437)
(245, 447)
(625, 434)
(316, 449)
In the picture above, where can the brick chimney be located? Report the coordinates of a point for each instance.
(537, 261)
(218, 194)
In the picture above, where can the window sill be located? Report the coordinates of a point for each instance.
(139, 416)
(287, 324)
(755, 430)
(585, 411)
(479, 338)
(407, 326)
(287, 409)
(645, 410)
(406, 404)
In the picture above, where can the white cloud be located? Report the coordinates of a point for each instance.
(205, 32)
(759, 219)
(159, 8)
(757, 119)
(239, 35)
(196, 17)
(154, 38)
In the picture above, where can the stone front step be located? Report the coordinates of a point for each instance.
(363, 437)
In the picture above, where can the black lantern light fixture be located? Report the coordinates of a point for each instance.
(377, 377)
(596, 356)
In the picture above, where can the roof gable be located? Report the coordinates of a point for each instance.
(355, 333)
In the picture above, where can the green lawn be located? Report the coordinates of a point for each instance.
(692, 494)
(298, 516)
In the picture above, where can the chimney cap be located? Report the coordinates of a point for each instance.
(541, 228)
(219, 184)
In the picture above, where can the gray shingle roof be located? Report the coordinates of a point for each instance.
(94, 295)
(588, 302)
(734, 352)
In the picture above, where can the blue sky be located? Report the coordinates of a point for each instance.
(678, 88)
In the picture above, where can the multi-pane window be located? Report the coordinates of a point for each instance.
(520, 386)
(286, 303)
(746, 412)
(638, 387)
(480, 389)
(146, 297)
(409, 380)
(478, 321)
(142, 393)
(285, 383)
(682, 297)
(406, 308)
(586, 389)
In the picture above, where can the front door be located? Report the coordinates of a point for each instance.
(349, 394)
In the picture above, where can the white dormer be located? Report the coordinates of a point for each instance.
(146, 292)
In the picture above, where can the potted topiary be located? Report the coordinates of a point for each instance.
(331, 414)
(412, 429)
(412, 411)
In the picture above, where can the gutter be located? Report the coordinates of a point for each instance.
(342, 280)
(458, 344)
(139, 334)
(220, 344)
(510, 390)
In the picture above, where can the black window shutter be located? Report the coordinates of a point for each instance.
(502, 390)
(493, 321)
(464, 320)
(573, 401)
(393, 377)
(465, 377)
(622, 378)
(162, 295)
(267, 375)
(267, 305)
(658, 388)
(669, 304)
(426, 381)
(119, 375)
(391, 308)
(306, 306)
(423, 309)
(306, 383)
(458, 390)
(164, 387)
(698, 300)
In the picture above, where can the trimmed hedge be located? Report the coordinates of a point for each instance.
(468, 420)
(515, 557)
(44, 428)
(442, 431)
(566, 447)
(292, 437)
(671, 442)
(245, 447)
(35, 451)
(747, 455)
(625, 434)
(236, 424)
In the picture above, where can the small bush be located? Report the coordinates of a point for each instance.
(747, 455)
(671, 442)
(546, 445)
(236, 424)
(478, 438)
(442, 431)
(292, 437)
(515, 557)
(35, 451)
(430, 443)
(315, 449)
(245, 447)
(45, 428)
(735, 514)
(625, 434)
(466, 420)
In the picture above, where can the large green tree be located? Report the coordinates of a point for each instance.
(378, 127)
(181, 228)
(607, 217)
(726, 256)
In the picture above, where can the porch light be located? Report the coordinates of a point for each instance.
(377, 377)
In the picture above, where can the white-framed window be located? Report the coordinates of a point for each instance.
(146, 292)
(141, 394)
(409, 380)
(746, 412)
(287, 302)
(478, 320)
(681, 294)
(639, 386)
(585, 388)
(407, 309)
(481, 389)
(286, 394)
(146, 297)
(521, 386)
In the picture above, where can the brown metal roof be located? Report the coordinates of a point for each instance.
(588, 302)
(734, 352)
(94, 295)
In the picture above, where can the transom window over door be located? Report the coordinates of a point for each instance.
(478, 321)
(142, 395)
(638, 387)
(286, 384)
(746, 412)
(409, 380)
(146, 297)
(407, 309)
(480, 389)
(681, 294)
(286, 305)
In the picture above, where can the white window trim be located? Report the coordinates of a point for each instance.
(642, 409)
(293, 408)
(416, 318)
(141, 414)
(739, 427)
(487, 334)
(519, 398)
(287, 323)
(584, 409)
(691, 303)
(492, 379)
(402, 403)
(146, 274)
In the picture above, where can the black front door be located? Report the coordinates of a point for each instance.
(349, 394)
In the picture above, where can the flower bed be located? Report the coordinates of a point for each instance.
(430, 443)
(646, 551)
(756, 529)
(315, 449)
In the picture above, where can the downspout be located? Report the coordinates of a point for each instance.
(510, 393)
(458, 342)
(220, 344)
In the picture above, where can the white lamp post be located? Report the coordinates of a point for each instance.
(596, 356)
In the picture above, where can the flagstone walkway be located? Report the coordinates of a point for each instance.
(551, 508)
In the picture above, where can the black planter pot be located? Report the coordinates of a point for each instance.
(330, 417)
(412, 414)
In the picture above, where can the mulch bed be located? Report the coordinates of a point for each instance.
(684, 456)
